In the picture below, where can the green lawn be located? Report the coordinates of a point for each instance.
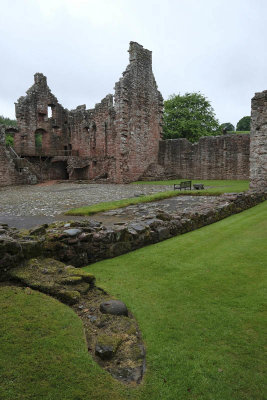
(221, 186)
(240, 132)
(199, 299)
(211, 188)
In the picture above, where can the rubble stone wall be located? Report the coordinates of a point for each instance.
(80, 243)
(111, 141)
(13, 171)
(258, 143)
(213, 157)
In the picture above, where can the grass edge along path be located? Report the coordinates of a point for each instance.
(199, 301)
(219, 187)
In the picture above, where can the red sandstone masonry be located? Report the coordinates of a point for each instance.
(213, 157)
(119, 140)
(116, 142)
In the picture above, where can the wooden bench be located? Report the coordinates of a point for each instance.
(183, 185)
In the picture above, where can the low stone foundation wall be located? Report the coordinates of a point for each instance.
(82, 243)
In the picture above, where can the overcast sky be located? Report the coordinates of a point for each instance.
(217, 47)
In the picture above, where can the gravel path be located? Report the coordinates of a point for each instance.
(27, 206)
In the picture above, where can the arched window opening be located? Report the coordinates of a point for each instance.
(39, 139)
(10, 137)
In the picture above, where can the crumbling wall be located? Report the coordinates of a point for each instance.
(213, 157)
(94, 139)
(139, 108)
(112, 142)
(258, 143)
(32, 113)
(13, 170)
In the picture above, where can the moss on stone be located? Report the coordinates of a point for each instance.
(53, 277)
(86, 276)
(110, 340)
(68, 296)
(71, 280)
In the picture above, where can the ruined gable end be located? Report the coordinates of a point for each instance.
(42, 121)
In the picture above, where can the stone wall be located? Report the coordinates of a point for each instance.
(213, 157)
(83, 242)
(111, 141)
(139, 109)
(119, 140)
(13, 170)
(258, 144)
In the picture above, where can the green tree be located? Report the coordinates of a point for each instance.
(189, 116)
(227, 126)
(243, 124)
(7, 121)
(9, 139)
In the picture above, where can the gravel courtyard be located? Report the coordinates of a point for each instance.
(27, 206)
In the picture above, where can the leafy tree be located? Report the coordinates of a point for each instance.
(190, 116)
(227, 126)
(7, 121)
(243, 124)
(9, 139)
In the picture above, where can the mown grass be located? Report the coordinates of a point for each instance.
(43, 352)
(199, 300)
(213, 188)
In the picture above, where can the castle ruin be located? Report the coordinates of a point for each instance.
(120, 139)
(115, 141)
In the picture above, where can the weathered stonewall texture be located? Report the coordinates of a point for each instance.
(90, 241)
(258, 144)
(13, 170)
(114, 142)
(213, 157)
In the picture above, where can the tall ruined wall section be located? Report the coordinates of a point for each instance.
(138, 107)
(33, 118)
(94, 139)
(258, 143)
(213, 157)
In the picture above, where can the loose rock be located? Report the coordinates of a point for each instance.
(114, 307)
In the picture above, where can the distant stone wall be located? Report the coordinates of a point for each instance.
(258, 143)
(13, 171)
(213, 157)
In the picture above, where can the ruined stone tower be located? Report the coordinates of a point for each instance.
(115, 141)
(258, 142)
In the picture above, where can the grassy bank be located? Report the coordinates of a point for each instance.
(212, 188)
(199, 300)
